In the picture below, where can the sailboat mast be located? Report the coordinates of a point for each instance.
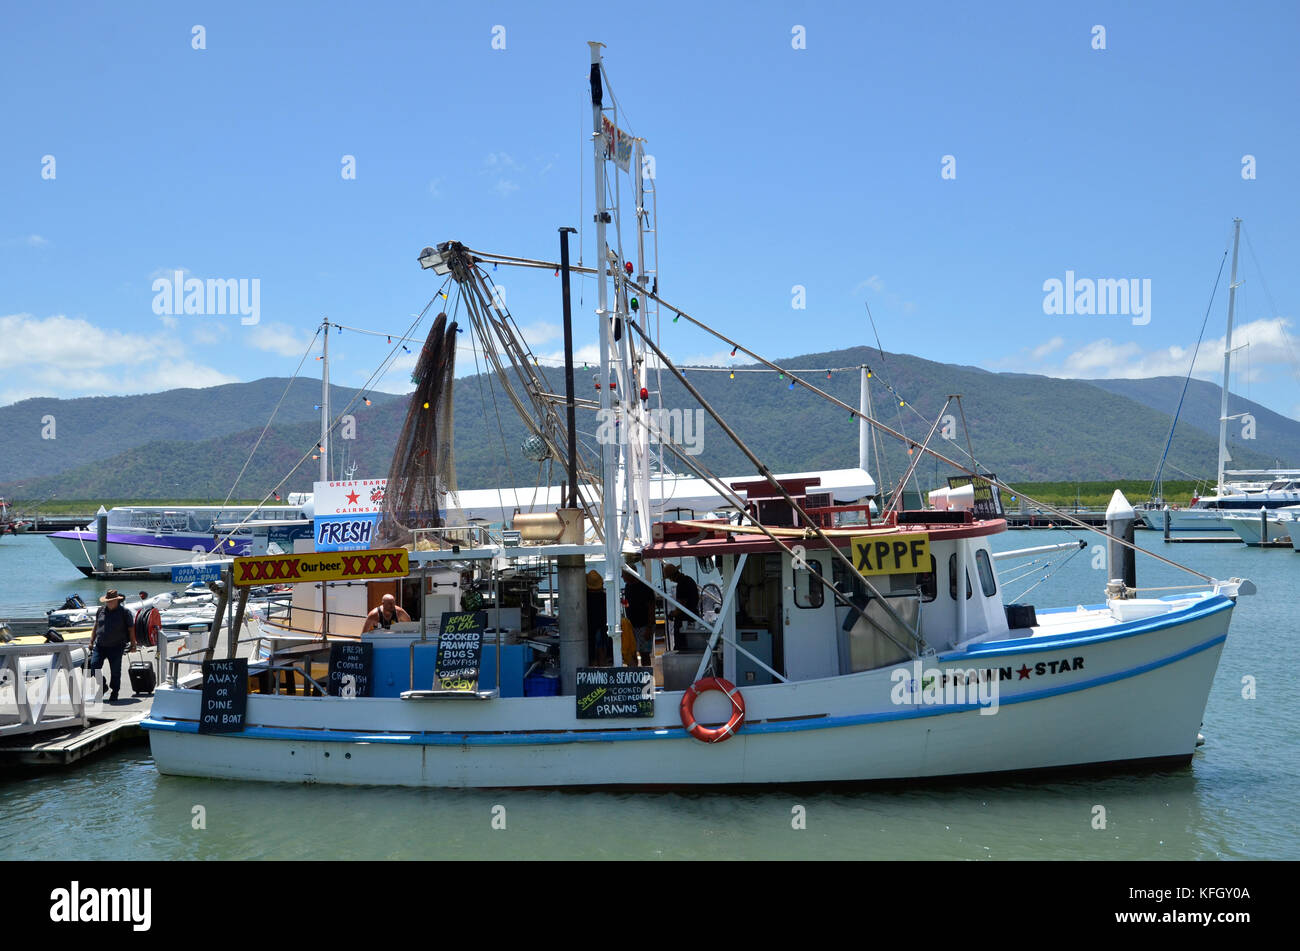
(325, 402)
(1227, 356)
(608, 464)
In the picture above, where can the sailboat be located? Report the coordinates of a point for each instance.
(844, 647)
(1248, 490)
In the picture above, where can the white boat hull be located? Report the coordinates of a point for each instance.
(1125, 693)
(80, 549)
(1250, 531)
(1186, 520)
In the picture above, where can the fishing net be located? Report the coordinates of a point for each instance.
(423, 472)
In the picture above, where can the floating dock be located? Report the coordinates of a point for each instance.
(64, 728)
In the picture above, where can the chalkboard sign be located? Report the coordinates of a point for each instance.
(606, 693)
(349, 674)
(225, 695)
(460, 649)
(988, 497)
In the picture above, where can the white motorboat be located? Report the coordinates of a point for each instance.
(1266, 527)
(155, 536)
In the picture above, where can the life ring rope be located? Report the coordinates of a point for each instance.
(712, 734)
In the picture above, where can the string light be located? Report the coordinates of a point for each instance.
(828, 374)
(733, 374)
(426, 405)
(733, 351)
(676, 318)
(792, 383)
(367, 399)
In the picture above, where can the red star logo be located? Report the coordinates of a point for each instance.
(352, 498)
(1024, 673)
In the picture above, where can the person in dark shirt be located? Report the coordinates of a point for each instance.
(639, 606)
(688, 596)
(385, 615)
(600, 652)
(114, 627)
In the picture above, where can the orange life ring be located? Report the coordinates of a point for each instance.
(719, 733)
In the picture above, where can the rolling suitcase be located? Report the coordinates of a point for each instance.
(143, 677)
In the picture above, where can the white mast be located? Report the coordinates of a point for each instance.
(864, 428)
(608, 464)
(325, 402)
(1227, 357)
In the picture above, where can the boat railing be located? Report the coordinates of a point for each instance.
(835, 516)
(449, 536)
(33, 708)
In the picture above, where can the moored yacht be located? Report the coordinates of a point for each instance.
(154, 536)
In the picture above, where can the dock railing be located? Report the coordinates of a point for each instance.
(28, 701)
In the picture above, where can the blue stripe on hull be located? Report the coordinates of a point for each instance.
(605, 736)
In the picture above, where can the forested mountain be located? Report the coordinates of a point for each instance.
(193, 443)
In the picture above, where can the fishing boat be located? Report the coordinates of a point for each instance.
(849, 644)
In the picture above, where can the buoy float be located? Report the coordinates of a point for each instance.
(719, 733)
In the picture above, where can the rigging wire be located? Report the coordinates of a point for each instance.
(1188, 379)
(310, 346)
(377, 373)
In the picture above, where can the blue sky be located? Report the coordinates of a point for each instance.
(819, 167)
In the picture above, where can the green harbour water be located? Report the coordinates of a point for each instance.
(1235, 800)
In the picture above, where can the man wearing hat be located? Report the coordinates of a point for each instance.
(114, 628)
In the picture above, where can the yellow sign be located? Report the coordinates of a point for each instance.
(322, 566)
(892, 554)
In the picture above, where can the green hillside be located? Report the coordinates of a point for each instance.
(193, 443)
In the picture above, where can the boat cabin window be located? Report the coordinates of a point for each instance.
(988, 583)
(807, 589)
(928, 583)
(952, 578)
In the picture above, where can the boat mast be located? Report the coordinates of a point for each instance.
(608, 463)
(1227, 356)
(325, 402)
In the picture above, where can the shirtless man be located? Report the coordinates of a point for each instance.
(388, 612)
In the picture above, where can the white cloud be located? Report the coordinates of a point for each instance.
(435, 188)
(1056, 343)
(36, 241)
(209, 333)
(73, 344)
(504, 188)
(176, 374)
(500, 160)
(279, 338)
(893, 299)
(1266, 341)
(66, 357)
(540, 332)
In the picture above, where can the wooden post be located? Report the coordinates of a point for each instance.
(223, 595)
(233, 637)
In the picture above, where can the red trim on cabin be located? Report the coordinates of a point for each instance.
(674, 540)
